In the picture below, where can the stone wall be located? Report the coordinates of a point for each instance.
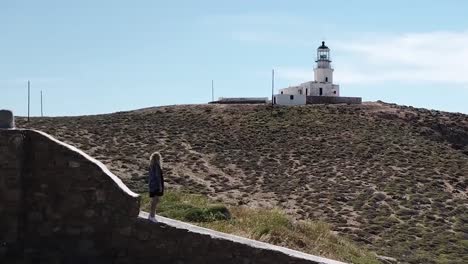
(11, 164)
(68, 206)
(333, 100)
(58, 205)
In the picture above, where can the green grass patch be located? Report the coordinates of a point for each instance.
(271, 226)
(188, 207)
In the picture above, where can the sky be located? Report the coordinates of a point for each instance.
(90, 57)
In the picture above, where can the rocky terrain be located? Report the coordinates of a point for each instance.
(390, 177)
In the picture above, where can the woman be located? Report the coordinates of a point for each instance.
(155, 183)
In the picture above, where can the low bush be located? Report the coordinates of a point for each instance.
(188, 207)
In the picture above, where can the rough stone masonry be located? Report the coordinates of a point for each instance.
(7, 120)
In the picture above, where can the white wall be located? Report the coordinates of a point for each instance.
(292, 90)
(321, 74)
(285, 99)
(328, 89)
(313, 89)
(336, 88)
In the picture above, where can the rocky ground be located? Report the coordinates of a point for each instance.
(391, 177)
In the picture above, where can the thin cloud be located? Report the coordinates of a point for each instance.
(295, 75)
(267, 29)
(254, 20)
(439, 56)
(412, 57)
(269, 38)
(36, 80)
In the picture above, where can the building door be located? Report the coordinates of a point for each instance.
(320, 91)
(307, 91)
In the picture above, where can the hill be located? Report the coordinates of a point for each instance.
(391, 177)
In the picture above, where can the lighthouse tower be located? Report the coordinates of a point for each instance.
(322, 85)
(323, 71)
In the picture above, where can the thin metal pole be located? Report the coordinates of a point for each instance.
(42, 113)
(212, 90)
(272, 85)
(29, 96)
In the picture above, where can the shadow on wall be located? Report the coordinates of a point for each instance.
(59, 205)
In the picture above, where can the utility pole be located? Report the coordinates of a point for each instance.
(42, 113)
(29, 96)
(272, 85)
(212, 90)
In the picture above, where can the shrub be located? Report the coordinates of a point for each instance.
(188, 207)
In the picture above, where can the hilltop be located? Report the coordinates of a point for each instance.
(390, 177)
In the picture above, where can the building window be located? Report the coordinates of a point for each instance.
(300, 91)
(291, 97)
(307, 91)
(326, 79)
(281, 92)
(320, 91)
(334, 92)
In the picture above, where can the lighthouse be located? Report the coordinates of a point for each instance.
(322, 85)
(323, 72)
(321, 90)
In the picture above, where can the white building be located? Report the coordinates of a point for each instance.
(290, 99)
(321, 86)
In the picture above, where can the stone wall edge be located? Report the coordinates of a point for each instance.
(240, 240)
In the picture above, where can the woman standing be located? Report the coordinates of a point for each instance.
(155, 183)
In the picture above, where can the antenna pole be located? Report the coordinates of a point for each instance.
(42, 113)
(212, 90)
(29, 96)
(272, 85)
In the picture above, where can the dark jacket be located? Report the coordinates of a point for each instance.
(156, 180)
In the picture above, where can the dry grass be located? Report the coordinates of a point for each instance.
(391, 178)
(271, 226)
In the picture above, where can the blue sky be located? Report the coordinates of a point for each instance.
(103, 56)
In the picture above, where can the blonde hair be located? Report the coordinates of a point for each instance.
(156, 158)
